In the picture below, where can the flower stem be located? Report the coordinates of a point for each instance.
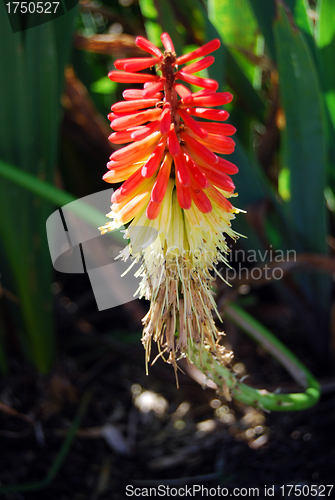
(169, 91)
(263, 399)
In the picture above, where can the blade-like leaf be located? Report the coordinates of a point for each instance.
(325, 39)
(265, 13)
(252, 187)
(303, 145)
(168, 22)
(238, 27)
(30, 105)
(225, 68)
(300, 10)
(150, 17)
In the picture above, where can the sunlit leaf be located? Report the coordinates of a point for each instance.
(238, 28)
(150, 16)
(103, 86)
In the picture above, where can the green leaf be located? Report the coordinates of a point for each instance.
(169, 23)
(300, 10)
(64, 27)
(325, 39)
(152, 27)
(55, 196)
(252, 187)
(303, 148)
(191, 16)
(103, 86)
(238, 28)
(10, 55)
(265, 13)
(284, 184)
(251, 183)
(304, 144)
(30, 104)
(225, 69)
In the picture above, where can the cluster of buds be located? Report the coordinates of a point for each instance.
(176, 184)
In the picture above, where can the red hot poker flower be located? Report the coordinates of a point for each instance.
(164, 130)
(175, 183)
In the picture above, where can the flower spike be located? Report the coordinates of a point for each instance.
(175, 183)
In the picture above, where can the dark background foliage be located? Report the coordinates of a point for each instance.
(58, 353)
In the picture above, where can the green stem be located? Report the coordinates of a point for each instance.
(263, 399)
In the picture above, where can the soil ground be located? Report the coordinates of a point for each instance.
(141, 430)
